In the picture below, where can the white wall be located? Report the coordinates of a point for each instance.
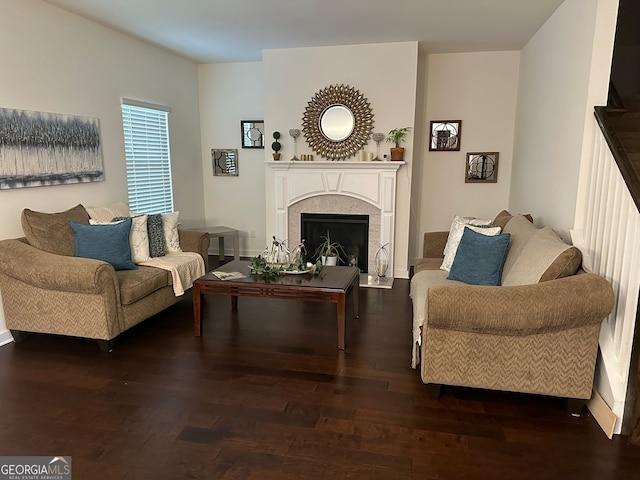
(54, 61)
(481, 90)
(384, 73)
(552, 103)
(229, 93)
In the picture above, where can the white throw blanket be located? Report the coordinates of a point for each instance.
(185, 267)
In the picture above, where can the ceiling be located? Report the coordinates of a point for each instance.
(215, 31)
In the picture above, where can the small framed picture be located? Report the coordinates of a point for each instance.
(444, 135)
(225, 162)
(481, 167)
(252, 133)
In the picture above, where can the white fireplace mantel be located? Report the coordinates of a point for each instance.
(371, 182)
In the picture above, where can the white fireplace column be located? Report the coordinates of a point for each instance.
(372, 182)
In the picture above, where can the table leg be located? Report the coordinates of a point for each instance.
(221, 248)
(197, 310)
(234, 303)
(236, 246)
(341, 310)
(355, 296)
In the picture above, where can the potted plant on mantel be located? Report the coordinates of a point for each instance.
(329, 252)
(397, 136)
(276, 146)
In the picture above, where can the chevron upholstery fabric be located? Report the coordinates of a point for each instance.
(537, 338)
(559, 364)
(48, 293)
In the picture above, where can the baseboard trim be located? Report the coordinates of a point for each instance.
(602, 413)
(5, 337)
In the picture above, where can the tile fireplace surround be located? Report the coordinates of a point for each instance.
(364, 188)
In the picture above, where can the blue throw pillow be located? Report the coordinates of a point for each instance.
(106, 242)
(480, 258)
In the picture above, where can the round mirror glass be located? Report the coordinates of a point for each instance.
(337, 122)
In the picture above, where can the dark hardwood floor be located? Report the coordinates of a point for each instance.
(265, 394)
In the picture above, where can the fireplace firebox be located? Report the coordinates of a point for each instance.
(351, 231)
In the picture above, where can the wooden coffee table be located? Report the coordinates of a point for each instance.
(332, 285)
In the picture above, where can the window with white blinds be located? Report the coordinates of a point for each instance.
(146, 146)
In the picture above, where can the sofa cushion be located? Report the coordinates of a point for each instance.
(544, 257)
(106, 242)
(455, 234)
(521, 231)
(51, 231)
(504, 216)
(137, 284)
(480, 258)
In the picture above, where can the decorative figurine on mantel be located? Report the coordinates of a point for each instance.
(295, 133)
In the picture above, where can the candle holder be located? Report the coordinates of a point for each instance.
(295, 133)
(381, 261)
(378, 137)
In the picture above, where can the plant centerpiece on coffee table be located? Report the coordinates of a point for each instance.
(276, 260)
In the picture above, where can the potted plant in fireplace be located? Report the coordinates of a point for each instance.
(397, 136)
(329, 252)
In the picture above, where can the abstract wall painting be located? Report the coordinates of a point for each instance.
(39, 149)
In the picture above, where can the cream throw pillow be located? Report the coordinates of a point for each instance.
(170, 229)
(108, 212)
(535, 258)
(455, 234)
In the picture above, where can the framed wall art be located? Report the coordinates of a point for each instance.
(225, 162)
(39, 149)
(252, 133)
(444, 135)
(481, 167)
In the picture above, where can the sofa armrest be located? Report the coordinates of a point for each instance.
(49, 271)
(433, 246)
(566, 303)
(194, 241)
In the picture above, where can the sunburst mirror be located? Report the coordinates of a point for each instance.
(337, 122)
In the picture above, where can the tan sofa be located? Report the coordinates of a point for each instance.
(537, 335)
(62, 294)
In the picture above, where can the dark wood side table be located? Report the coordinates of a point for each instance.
(332, 285)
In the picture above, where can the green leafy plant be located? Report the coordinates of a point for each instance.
(398, 135)
(329, 249)
(259, 266)
(276, 146)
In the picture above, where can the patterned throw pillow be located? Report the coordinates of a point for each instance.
(139, 237)
(157, 244)
(170, 228)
